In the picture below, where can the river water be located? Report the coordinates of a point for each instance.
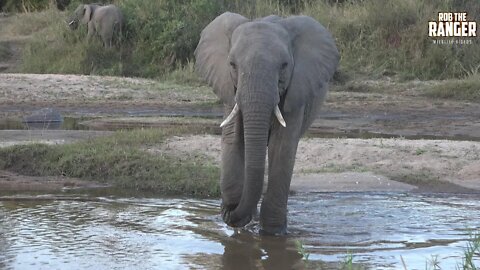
(78, 231)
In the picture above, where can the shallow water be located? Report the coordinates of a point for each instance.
(67, 123)
(88, 232)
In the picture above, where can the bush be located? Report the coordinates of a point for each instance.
(120, 161)
(158, 36)
(390, 37)
(23, 5)
(374, 38)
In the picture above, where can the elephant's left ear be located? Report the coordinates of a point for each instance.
(315, 60)
(212, 52)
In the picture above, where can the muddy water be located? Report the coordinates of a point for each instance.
(68, 123)
(90, 232)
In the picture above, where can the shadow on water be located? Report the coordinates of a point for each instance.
(106, 232)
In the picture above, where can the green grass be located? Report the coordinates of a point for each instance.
(375, 39)
(4, 52)
(471, 253)
(465, 89)
(119, 160)
(184, 74)
(389, 37)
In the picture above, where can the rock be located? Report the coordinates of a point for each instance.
(46, 118)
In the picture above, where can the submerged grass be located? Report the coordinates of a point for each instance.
(118, 160)
(471, 253)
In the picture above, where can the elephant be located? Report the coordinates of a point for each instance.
(103, 20)
(264, 70)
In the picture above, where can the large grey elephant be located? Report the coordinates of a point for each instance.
(272, 75)
(105, 21)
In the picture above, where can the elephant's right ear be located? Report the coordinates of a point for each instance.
(87, 14)
(212, 52)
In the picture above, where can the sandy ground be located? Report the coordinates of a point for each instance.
(322, 164)
(76, 91)
(398, 112)
(364, 164)
(16, 137)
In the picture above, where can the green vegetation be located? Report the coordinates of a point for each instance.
(120, 160)
(301, 250)
(386, 38)
(348, 264)
(23, 5)
(4, 51)
(471, 253)
(465, 89)
(420, 151)
(158, 36)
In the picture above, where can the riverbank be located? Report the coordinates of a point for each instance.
(379, 135)
(175, 161)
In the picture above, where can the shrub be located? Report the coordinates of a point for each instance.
(374, 38)
(158, 35)
(23, 5)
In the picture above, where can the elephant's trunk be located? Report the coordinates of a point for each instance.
(257, 102)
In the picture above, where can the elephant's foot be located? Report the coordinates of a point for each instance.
(276, 231)
(231, 218)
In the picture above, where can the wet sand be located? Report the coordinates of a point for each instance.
(419, 156)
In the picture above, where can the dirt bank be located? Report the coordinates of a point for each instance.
(393, 109)
(15, 137)
(322, 164)
(396, 110)
(361, 164)
(10, 182)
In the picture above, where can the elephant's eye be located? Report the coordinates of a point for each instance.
(233, 65)
(284, 65)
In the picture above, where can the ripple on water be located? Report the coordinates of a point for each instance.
(149, 233)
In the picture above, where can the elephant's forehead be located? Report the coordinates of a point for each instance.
(260, 29)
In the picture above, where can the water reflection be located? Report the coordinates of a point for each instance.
(243, 250)
(174, 233)
(67, 123)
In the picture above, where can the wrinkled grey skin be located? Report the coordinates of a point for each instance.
(260, 64)
(105, 21)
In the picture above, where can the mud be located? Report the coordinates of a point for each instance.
(12, 182)
(403, 113)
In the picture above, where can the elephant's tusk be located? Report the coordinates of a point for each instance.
(279, 116)
(230, 116)
(71, 22)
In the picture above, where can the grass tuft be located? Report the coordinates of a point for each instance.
(465, 89)
(118, 160)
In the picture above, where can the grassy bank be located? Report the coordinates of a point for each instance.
(465, 89)
(120, 160)
(386, 38)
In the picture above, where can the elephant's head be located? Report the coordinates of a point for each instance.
(263, 69)
(83, 14)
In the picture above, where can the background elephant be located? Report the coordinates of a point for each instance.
(264, 70)
(103, 20)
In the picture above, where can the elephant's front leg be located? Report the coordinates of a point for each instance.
(90, 30)
(232, 164)
(282, 148)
